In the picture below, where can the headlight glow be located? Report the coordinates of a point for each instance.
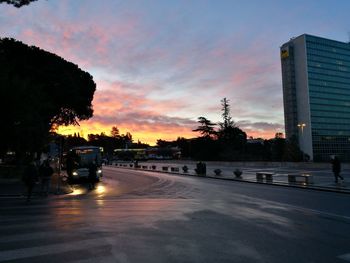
(76, 192)
(100, 189)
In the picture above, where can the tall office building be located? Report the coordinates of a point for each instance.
(316, 95)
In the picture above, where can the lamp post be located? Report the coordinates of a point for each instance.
(59, 161)
(301, 126)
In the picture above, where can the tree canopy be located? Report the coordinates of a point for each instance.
(39, 90)
(115, 132)
(206, 128)
(17, 3)
(226, 116)
(230, 134)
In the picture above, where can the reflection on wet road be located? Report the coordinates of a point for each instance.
(139, 216)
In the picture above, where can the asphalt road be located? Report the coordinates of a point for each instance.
(139, 216)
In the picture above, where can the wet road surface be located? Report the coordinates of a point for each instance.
(138, 216)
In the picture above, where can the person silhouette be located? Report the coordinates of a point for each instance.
(30, 177)
(336, 168)
(45, 173)
(92, 175)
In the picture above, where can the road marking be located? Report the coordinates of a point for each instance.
(104, 259)
(345, 257)
(51, 249)
(43, 234)
(314, 211)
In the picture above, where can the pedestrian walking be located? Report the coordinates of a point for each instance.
(45, 173)
(70, 163)
(30, 178)
(336, 168)
(92, 175)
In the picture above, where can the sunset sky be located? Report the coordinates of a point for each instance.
(159, 65)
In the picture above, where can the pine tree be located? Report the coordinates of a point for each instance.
(206, 128)
(227, 119)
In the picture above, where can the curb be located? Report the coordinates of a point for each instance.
(309, 187)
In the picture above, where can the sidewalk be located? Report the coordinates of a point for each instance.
(16, 188)
(323, 178)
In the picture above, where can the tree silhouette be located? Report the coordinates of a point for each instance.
(292, 151)
(229, 133)
(38, 91)
(17, 3)
(227, 119)
(206, 128)
(127, 138)
(115, 132)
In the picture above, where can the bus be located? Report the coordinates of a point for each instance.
(80, 158)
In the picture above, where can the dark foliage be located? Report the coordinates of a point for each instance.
(231, 138)
(292, 152)
(115, 141)
(39, 90)
(17, 3)
(107, 142)
(229, 143)
(71, 141)
(205, 149)
(226, 115)
(206, 128)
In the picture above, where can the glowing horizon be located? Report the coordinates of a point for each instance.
(144, 137)
(148, 137)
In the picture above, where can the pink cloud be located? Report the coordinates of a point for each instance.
(151, 80)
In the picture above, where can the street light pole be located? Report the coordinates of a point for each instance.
(301, 126)
(58, 190)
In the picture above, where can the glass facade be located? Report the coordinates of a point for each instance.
(328, 66)
(328, 84)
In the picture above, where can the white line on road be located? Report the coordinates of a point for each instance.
(314, 211)
(51, 249)
(104, 259)
(45, 234)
